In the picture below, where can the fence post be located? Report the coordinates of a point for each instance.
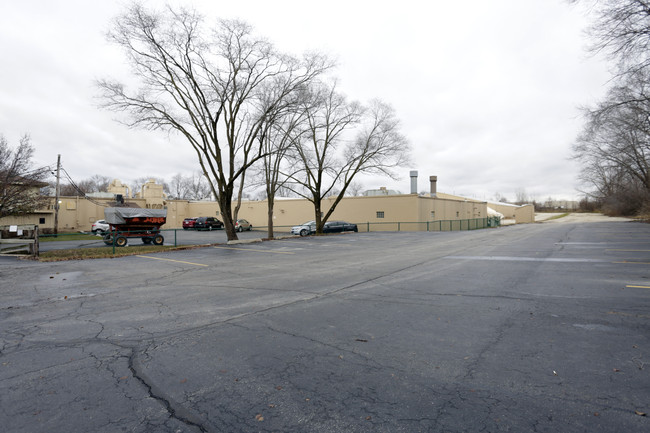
(368, 226)
(175, 232)
(35, 247)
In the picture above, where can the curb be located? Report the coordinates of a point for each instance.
(244, 241)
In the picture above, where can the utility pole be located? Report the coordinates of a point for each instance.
(56, 201)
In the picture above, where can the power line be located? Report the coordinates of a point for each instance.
(80, 191)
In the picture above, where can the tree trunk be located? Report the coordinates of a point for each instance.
(317, 215)
(271, 203)
(226, 212)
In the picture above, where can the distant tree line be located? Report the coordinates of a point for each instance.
(614, 146)
(181, 187)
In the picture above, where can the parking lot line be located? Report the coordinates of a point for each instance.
(638, 287)
(254, 250)
(171, 260)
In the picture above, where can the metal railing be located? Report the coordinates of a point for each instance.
(431, 226)
(418, 226)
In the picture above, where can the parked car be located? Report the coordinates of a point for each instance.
(100, 226)
(207, 223)
(339, 226)
(242, 224)
(188, 223)
(305, 229)
(309, 228)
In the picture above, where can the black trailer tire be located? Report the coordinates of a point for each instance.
(121, 241)
(158, 240)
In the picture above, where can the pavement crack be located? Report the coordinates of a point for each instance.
(175, 410)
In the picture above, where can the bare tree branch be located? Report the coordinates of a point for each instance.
(218, 88)
(343, 140)
(20, 183)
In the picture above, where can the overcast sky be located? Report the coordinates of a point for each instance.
(487, 91)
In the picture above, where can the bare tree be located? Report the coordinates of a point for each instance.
(218, 88)
(521, 197)
(100, 183)
(355, 189)
(70, 190)
(179, 187)
(20, 183)
(95, 183)
(191, 187)
(199, 188)
(136, 186)
(498, 197)
(342, 141)
(621, 29)
(614, 147)
(282, 135)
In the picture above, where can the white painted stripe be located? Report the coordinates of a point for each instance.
(525, 259)
(171, 260)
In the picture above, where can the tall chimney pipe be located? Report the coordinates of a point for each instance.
(414, 182)
(434, 181)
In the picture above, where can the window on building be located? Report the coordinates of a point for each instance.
(41, 220)
(380, 214)
(457, 214)
(433, 214)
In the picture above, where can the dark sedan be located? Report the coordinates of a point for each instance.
(207, 223)
(339, 226)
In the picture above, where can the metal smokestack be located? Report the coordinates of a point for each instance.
(434, 181)
(414, 182)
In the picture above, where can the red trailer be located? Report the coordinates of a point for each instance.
(129, 222)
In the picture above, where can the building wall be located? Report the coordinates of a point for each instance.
(525, 214)
(78, 214)
(42, 219)
(521, 214)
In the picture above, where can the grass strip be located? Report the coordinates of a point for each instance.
(68, 237)
(104, 252)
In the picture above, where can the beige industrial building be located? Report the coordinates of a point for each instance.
(381, 210)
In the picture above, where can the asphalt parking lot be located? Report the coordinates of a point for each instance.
(537, 327)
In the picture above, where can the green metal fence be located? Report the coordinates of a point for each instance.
(426, 226)
(431, 226)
